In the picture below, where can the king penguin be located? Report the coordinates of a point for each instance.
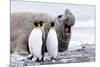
(36, 42)
(52, 42)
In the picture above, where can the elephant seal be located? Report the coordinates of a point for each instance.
(63, 28)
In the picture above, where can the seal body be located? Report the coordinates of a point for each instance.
(52, 43)
(63, 27)
(35, 43)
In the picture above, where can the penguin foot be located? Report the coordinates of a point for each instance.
(37, 60)
(52, 58)
(55, 59)
(30, 58)
(42, 60)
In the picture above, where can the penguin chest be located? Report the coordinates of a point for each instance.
(52, 43)
(35, 42)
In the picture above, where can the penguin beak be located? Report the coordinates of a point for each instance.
(42, 27)
(39, 25)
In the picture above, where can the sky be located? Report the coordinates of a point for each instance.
(81, 12)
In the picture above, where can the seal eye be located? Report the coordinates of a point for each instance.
(36, 24)
(59, 16)
(41, 23)
(52, 24)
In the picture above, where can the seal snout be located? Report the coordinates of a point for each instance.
(66, 28)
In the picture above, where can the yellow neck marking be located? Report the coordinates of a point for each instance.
(52, 28)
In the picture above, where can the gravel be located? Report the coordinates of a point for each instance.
(82, 53)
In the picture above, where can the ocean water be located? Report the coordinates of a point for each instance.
(82, 35)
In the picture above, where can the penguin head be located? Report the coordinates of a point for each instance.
(52, 24)
(41, 23)
(36, 24)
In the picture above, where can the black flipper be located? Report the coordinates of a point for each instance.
(43, 46)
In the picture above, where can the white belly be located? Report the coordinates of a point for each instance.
(52, 43)
(35, 42)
